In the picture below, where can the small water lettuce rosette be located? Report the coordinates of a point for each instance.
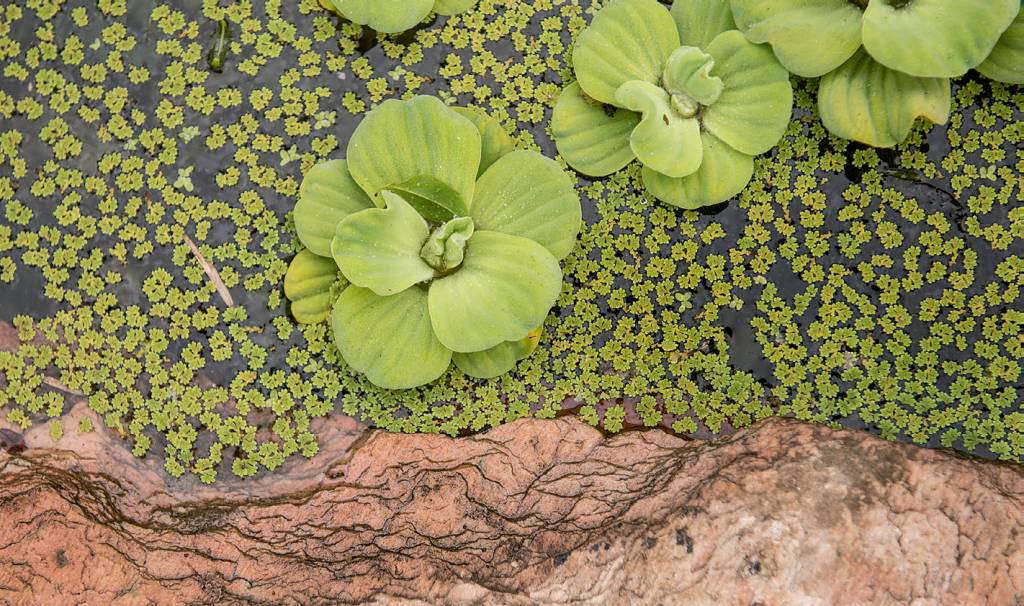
(683, 92)
(449, 241)
(884, 62)
(394, 16)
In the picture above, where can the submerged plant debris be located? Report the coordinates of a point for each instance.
(834, 288)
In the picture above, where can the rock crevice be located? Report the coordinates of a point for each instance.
(533, 512)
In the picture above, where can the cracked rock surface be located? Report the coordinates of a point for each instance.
(533, 512)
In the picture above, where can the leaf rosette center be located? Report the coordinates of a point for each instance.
(445, 249)
(688, 80)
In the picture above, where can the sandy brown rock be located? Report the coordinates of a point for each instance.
(534, 512)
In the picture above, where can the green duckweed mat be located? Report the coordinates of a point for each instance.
(878, 289)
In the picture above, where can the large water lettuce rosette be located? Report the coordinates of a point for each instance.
(885, 62)
(449, 241)
(682, 92)
(394, 16)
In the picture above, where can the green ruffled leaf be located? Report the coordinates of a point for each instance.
(664, 140)
(699, 21)
(1006, 62)
(452, 7)
(385, 16)
(432, 198)
(505, 287)
(723, 174)
(399, 140)
(379, 248)
(810, 37)
(935, 38)
(865, 101)
(307, 285)
(495, 141)
(627, 40)
(327, 195)
(389, 339)
(446, 246)
(590, 140)
(755, 107)
(688, 72)
(499, 359)
(526, 194)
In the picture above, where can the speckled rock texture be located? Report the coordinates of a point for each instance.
(534, 512)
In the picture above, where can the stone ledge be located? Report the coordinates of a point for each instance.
(533, 512)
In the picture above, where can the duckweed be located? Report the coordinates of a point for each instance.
(846, 285)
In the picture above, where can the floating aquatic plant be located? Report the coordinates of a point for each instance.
(394, 16)
(451, 241)
(217, 56)
(828, 268)
(686, 94)
(884, 62)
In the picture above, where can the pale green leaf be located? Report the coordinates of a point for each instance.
(499, 359)
(627, 40)
(504, 288)
(664, 140)
(935, 38)
(754, 109)
(810, 37)
(699, 21)
(307, 285)
(1006, 62)
(387, 16)
(723, 174)
(494, 140)
(389, 339)
(529, 195)
(688, 72)
(592, 141)
(399, 140)
(865, 101)
(432, 198)
(379, 248)
(327, 195)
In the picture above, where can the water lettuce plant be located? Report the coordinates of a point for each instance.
(394, 16)
(884, 62)
(449, 240)
(689, 97)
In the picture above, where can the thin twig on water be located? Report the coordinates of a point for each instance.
(211, 272)
(54, 383)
